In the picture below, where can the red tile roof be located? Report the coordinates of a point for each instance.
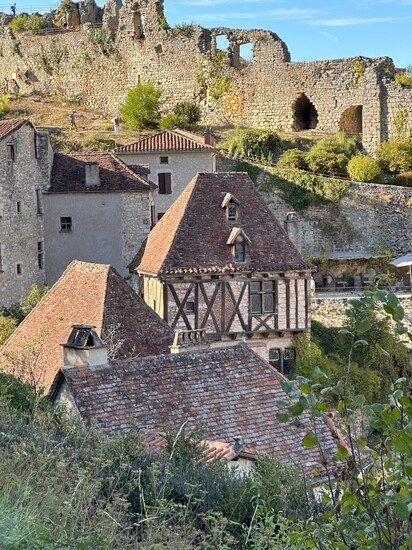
(167, 141)
(86, 293)
(68, 174)
(192, 236)
(9, 125)
(227, 392)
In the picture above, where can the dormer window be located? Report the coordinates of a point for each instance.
(238, 240)
(231, 211)
(230, 204)
(240, 251)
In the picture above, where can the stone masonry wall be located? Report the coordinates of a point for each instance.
(262, 93)
(21, 225)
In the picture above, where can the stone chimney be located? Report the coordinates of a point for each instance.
(92, 176)
(190, 341)
(44, 154)
(208, 137)
(84, 348)
(292, 228)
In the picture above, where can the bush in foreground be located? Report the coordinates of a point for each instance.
(293, 158)
(141, 107)
(25, 22)
(365, 169)
(396, 155)
(331, 155)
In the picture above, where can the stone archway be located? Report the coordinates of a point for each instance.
(351, 120)
(305, 115)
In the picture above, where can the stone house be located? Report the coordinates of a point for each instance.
(174, 158)
(24, 161)
(96, 209)
(219, 261)
(230, 393)
(86, 293)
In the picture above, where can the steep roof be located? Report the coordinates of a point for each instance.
(167, 141)
(192, 236)
(9, 125)
(68, 174)
(86, 293)
(227, 392)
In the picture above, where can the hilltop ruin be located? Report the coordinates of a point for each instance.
(107, 51)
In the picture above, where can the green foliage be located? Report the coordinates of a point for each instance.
(187, 112)
(7, 326)
(364, 168)
(169, 121)
(4, 104)
(24, 22)
(403, 179)
(51, 57)
(164, 25)
(331, 155)
(141, 108)
(252, 170)
(260, 145)
(219, 87)
(99, 144)
(293, 158)
(401, 121)
(301, 189)
(15, 49)
(20, 310)
(396, 155)
(102, 41)
(359, 67)
(183, 29)
(65, 6)
(212, 78)
(404, 79)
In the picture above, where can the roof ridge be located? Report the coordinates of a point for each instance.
(129, 170)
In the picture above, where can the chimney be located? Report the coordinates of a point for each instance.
(84, 348)
(208, 137)
(44, 154)
(238, 445)
(190, 341)
(292, 228)
(92, 177)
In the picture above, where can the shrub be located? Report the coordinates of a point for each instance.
(4, 104)
(364, 168)
(404, 79)
(184, 29)
(404, 179)
(396, 155)
(293, 158)
(164, 25)
(331, 155)
(26, 22)
(169, 121)
(99, 144)
(7, 326)
(141, 108)
(102, 41)
(188, 113)
(219, 87)
(255, 144)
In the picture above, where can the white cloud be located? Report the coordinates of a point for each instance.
(350, 21)
(329, 35)
(275, 14)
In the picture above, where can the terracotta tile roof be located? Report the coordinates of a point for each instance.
(86, 293)
(9, 125)
(227, 392)
(167, 141)
(68, 174)
(192, 236)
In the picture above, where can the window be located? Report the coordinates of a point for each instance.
(18, 207)
(164, 160)
(160, 216)
(165, 183)
(231, 212)
(18, 269)
(283, 359)
(274, 358)
(40, 255)
(262, 297)
(11, 152)
(66, 224)
(38, 202)
(1, 260)
(190, 307)
(240, 252)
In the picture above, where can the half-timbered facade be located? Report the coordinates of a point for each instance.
(219, 261)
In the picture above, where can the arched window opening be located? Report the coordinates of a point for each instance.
(351, 121)
(222, 42)
(305, 114)
(246, 52)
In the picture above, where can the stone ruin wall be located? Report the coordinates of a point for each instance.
(262, 93)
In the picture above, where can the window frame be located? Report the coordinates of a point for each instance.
(239, 244)
(69, 228)
(165, 186)
(190, 310)
(11, 152)
(40, 254)
(19, 269)
(260, 295)
(164, 160)
(231, 212)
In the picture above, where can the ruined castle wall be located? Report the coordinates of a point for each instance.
(398, 110)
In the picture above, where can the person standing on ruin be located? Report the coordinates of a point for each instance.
(116, 124)
(13, 9)
(72, 120)
(16, 87)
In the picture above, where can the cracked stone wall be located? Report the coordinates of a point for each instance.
(265, 92)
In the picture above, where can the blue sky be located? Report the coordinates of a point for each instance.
(312, 29)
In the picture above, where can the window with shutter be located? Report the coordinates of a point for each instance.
(165, 183)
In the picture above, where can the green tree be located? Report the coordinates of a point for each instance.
(331, 155)
(187, 112)
(141, 107)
